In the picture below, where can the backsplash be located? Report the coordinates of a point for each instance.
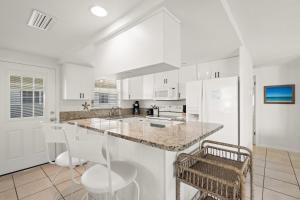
(148, 103)
(94, 113)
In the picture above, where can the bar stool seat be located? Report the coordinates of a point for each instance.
(95, 178)
(63, 160)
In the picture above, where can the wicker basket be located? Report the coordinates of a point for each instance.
(218, 170)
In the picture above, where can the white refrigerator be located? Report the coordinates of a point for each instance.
(215, 101)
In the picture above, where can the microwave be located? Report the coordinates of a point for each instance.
(170, 93)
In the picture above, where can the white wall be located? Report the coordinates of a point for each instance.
(246, 98)
(278, 125)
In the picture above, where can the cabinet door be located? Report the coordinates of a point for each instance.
(136, 88)
(186, 74)
(148, 86)
(160, 80)
(172, 78)
(125, 89)
(77, 82)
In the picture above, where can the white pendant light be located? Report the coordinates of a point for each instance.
(98, 11)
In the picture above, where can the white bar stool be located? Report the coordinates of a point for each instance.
(54, 134)
(105, 177)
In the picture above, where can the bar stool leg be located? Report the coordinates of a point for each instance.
(177, 189)
(243, 193)
(251, 183)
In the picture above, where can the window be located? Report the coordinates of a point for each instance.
(106, 93)
(26, 97)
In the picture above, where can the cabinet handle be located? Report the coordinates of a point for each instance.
(80, 95)
(166, 81)
(83, 95)
(129, 96)
(179, 95)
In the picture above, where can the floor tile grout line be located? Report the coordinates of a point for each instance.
(30, 182)
(263, 186)
(15, 186)
(294, 171)
(281, 193)
(282, 180)
(54, 184)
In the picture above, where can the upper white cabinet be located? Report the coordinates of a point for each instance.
(148, 86)
(132, 88)
(166, 79)
(226, 68)
(186, 74)
(166, 85)
(77, 82)
(153, 42)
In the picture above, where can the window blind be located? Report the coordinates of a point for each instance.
(26, 97)
(106, 93)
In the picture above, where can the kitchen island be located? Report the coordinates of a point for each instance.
(152, 146)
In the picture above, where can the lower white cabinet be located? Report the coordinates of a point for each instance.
(77, 82)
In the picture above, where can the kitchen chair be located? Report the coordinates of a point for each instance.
(218, 170)
(54, 134)
(105, 177)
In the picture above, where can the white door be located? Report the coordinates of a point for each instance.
(27, 96)
(220, 105)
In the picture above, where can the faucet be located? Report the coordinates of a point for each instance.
(113, 111)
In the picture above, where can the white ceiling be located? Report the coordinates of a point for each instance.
(270, 28)
(74, 23)
(206, 31)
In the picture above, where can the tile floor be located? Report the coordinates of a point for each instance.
(276, 177)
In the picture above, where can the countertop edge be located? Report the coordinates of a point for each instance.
(152, 144)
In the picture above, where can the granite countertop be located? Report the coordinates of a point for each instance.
(174, 136)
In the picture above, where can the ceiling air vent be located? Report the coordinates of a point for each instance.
(40, 20)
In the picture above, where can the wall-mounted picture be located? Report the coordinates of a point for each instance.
(279, 94)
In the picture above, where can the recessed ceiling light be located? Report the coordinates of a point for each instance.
(98, 11)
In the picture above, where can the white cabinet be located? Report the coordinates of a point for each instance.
(227, 68)
(77, 82)
(125, 89)
(166, 85)
(153, 42)
(136, 87)
(186, 74)
(132, 88)
(148, 86)
(166, 79)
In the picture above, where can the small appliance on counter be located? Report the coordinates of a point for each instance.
(168, 112)
(149, 111)
(155, 111)
(136, 108)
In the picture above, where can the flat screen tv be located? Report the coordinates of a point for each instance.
(279, 94)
